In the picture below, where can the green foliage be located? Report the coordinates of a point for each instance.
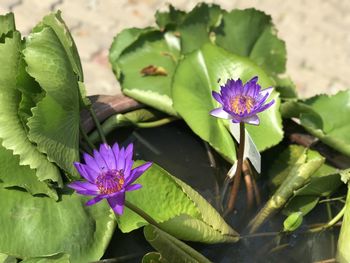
(251, 43)
(325, 117)
(197, 76)
(57, 114)
(298, 176)
(135, 50)
(177, 207)
(293, 221)
(14, 133)
(56, 258)
(13, 174)
(343, 249)
(322, 183)
(43, 226)
(170, 248)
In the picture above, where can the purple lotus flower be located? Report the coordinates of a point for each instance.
(109, 175)
(241, 103)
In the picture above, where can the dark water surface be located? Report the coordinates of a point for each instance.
(183, 154)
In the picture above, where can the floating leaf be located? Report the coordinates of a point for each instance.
(171, 19)
(7, 24)
(56, 23)
(54, 126)
(139, 49)
(317, 116)
(250, 33)
(181, 211)
(44, 227)
(196, 26)
(13, 174)
(13, 134)
(170, 248)
(7, 259)
(194, 81)
(56, 258)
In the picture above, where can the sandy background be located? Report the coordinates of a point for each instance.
(317, 34)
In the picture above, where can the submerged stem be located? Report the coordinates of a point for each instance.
(331, 223)
(249, 185)
(238, 173)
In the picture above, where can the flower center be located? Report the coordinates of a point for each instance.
(239, 104)
(110, 182)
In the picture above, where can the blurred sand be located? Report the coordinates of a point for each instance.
(317, 34)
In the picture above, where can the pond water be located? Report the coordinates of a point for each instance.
(183, 154)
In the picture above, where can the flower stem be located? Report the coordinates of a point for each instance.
(98, 125)
(86, 138)
(238, 173)
(116, 121)
(142, 213)
(331, 223)
(249, 186)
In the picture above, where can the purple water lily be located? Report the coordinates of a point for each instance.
(109, 175)
(241, 103)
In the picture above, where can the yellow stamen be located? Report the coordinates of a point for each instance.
(240, 104)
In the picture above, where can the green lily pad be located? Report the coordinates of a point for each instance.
(325, 117)
(250, 33)
(54, 126)
(14, 133)
(56, 258)
(13, 174)
(197, 76)
(172, 201)
(7, 24)
(56, 23)
(44, 227)
(170, 248)
(196, 26)
(170, 20)
(146, 50)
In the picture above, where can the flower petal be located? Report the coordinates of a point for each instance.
(91, 162)
(220, 113)
(250, 86)
(129, 152)
(115, 149)
(86, 171)
(121, 159)
(263, 92)
(94, 200)
(137, 172)
(108, 155)
(78, 185)
(100, 161)
(254, 120)
(133, 187)
(117, 203)
(217, 97)
(266, 106)
(127, 168)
